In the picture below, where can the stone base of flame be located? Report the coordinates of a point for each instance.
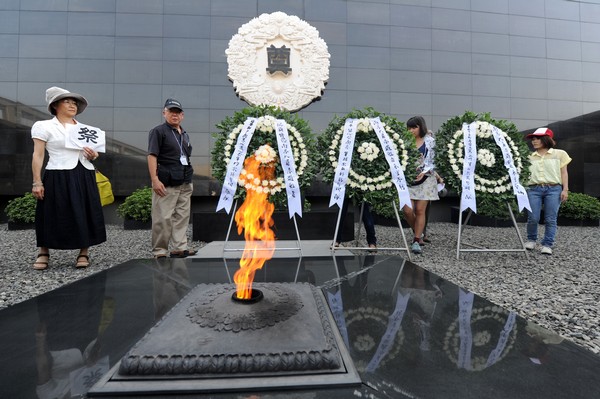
(210, 343)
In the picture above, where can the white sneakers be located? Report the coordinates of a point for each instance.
(530, 245)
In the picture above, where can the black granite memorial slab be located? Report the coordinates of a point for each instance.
(211, 342)
(408, 333)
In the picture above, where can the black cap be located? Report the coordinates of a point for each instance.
(172, 103)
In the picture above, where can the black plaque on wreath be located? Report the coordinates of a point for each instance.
(278, 59)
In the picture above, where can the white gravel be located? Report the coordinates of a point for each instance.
(559, 292)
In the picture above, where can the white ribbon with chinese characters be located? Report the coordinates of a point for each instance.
(286, 156)
(502, 340)
(394, 322)
(391, 155)
(236, 163)
(518, 189)
(344, 160)
(467, 199)
(465, 309)
(337, 309)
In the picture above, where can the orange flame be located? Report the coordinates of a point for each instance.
(255, 218)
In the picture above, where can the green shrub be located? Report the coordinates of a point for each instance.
(580, 206)
(137, 206)
(21, 209)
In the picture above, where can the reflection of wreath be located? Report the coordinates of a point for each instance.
(264, 146)
(369, 176)
(492, 182)
(486, 325)
(368, 326)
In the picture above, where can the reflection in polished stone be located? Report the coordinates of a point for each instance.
(408, 332)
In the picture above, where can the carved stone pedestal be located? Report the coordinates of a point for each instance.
(209, 343)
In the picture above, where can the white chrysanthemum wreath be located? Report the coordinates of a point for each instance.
(485, 158)
(264, 147)
(486, 324)
(493, 186)
(369, 176)
(266, 154)
(358, 177)
(368, 326)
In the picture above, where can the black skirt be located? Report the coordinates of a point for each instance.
(70, 215)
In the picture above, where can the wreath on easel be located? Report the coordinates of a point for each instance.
(493, 185)
(369, 177)
(264, 143)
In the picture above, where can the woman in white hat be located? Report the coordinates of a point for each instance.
(69, 213)
(548, 187)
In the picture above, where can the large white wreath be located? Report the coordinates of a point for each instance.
(485, 157)
(369, 176)
(492, 182)
(247, 60)
(368, 151)
(265, 153)
(486, 325)
(263, 145)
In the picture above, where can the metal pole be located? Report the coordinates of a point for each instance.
(401, 230)
(459, 230)
(227, 270)
(362, 209)
(298, 241)
(337, 227)
(230, 224)
(297, 270)
(512, 216)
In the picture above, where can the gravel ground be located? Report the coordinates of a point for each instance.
(560, 292)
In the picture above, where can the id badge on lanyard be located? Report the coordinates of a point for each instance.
(182, 156)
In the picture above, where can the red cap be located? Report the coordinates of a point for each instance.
(542, 131)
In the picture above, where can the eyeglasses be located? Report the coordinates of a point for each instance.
(69, 101)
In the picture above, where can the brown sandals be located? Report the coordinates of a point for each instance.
(39, 264)
(82, 261)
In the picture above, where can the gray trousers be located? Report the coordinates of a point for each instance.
(170, 219)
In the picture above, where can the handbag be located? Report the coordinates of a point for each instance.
(104, 189)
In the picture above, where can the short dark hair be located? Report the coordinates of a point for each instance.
(547, 141)
(54, 105)
(418, 121)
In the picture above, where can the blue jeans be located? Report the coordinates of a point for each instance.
(549, 198)
(367, 219)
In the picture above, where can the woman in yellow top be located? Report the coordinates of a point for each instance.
(548, 187)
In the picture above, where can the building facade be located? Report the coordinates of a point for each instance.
(534, 62)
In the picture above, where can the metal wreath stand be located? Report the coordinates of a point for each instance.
(298, 246)
(475, 248)
(357, 234)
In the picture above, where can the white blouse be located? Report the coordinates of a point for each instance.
(60, 157)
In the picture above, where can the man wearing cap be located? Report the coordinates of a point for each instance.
(169, 152)
(548, 187)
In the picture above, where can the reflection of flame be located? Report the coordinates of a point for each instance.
(254, 217)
